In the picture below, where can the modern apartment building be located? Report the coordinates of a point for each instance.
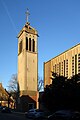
(66, 64)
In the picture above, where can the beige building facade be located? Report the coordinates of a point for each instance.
(28, 63)
(66, 64)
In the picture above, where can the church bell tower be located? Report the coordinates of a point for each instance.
(28, 65)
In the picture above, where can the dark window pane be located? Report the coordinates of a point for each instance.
(26, 43)
(20, 47)
(29, 44)
(75, 64)
(33, 45)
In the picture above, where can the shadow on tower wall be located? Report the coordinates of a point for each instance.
(25, 102)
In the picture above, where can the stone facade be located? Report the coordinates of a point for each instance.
(28, 64)
(66, 64)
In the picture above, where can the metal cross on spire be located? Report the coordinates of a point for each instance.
(27, 14)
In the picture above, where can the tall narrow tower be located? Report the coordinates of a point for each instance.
(28, 65)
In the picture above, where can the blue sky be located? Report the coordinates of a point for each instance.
(57, 23)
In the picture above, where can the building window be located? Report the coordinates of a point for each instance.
(72, 66)
(26, 43)
(59, 68)
(33, 45)
(29, 44)
(78, 63)
(20, 47)
(62, 68)
(66, 68)
(75, 64)
(30, 106)
(55, 69)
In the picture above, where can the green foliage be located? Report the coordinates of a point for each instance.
(62, 93)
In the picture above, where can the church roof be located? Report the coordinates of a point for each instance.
(4, 94)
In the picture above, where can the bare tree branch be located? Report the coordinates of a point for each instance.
(13, 83)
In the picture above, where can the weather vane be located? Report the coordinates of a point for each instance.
(27, 14)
